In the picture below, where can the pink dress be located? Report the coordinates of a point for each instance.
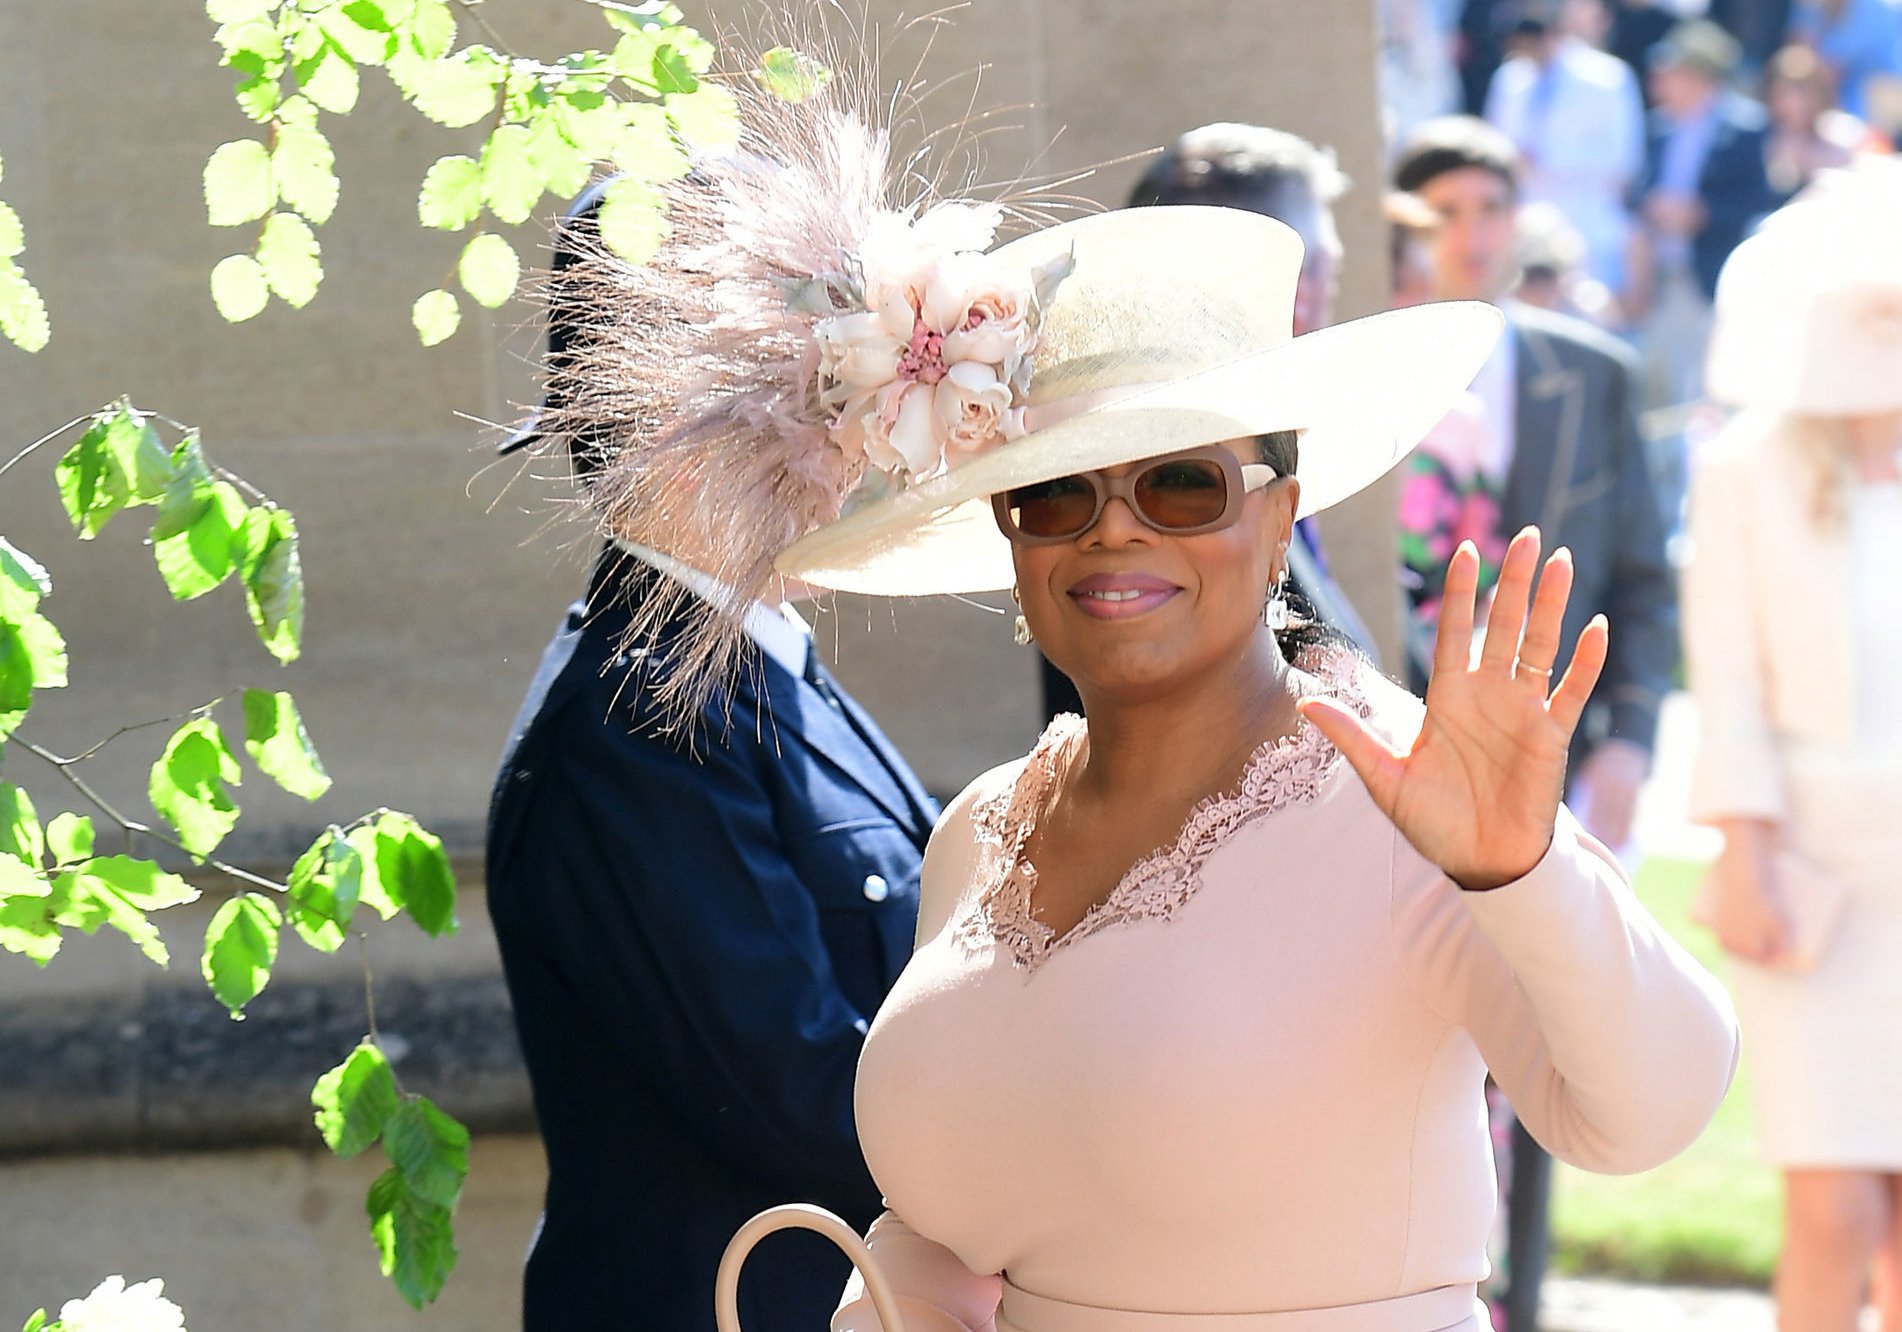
(1244, 1094)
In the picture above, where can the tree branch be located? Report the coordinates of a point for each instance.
(44, 440)
(134, 826)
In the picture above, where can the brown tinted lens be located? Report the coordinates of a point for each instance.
(1184, 493)
(1062, 507)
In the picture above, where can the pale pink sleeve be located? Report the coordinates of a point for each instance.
(936, 1292)
(1613, 1046)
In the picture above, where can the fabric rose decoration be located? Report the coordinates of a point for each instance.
(933, 365)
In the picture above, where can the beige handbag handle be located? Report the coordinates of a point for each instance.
(799, 1216)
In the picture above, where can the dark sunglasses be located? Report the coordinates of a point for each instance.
(1182, 494)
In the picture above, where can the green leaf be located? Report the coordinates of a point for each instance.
(451, 196)
(646, 150)
(432, 29)
(359, 30)
(22, 312)
(92, 484)
(672, 71)
(456, 91)
(413, 869)
(45, 650)
(208, 550)
(324, 885)
(69, 839)
(258, 97)
(252, 46)
(563, 168)
(20, 834)
(36, 1322)
(23, 580)
(511, 185)
(633, 221)
(274, 581)
(372, 892)
(709, 119)
(120, 890)
(436, 316)
(140, 455)
(592, 123)
(792, 76)
(72, 904)
(329, 78)
(430, 1148)
(238, 288)
(26, 924)
(274, 736)
(489, 269)
(288, 255)
(238, 185)
(16, 676)
(305, 169)
(298, 111)
(238, 11)
(12, 233)
(188, 784)
(21, 878)
(190, 492)
(240, 950)
(415, 1238)
(355, 1100)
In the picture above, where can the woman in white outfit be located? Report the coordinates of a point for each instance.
(1793, 621)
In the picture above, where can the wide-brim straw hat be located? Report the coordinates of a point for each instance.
(1808, 314)
(1173, 330)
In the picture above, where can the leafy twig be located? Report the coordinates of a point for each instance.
(133, 825)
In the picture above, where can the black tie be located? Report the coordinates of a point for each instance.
(819, 680)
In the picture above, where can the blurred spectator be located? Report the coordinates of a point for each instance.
(1552, 272)
(1703, 188)
(1576, 117)
(1808, 131)
(1861, 40)
(1554, 443)
(1637, 26)
(1411, 223)
(1793, 629)
(1418, 79)
(1758, 25)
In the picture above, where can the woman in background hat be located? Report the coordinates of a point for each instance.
(1199, 1013)
(1793, 631)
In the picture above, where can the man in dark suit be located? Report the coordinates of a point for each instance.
(696, 928)
(1703, 187)
(1562, 445)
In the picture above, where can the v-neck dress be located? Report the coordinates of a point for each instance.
(1245, 1093)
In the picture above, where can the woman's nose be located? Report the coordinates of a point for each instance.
(1118, 525)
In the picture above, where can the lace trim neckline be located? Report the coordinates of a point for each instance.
(1280, 772)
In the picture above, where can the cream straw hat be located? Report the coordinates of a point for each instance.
(1809, 310)
(1173, 329)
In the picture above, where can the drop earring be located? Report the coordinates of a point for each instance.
(1020, 627)
(1274, 613)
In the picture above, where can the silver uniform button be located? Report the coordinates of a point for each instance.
(876, 889)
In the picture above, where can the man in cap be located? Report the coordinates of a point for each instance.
(696, 929)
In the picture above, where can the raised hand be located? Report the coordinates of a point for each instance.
(1478, 793)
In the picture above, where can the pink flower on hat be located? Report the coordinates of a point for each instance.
(936, 364)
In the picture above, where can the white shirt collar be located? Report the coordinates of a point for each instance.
(781, 632)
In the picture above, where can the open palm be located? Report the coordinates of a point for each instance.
(1478, 793)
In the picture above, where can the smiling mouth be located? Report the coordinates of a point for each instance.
(1121, 603)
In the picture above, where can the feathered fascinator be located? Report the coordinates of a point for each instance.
(819, 322)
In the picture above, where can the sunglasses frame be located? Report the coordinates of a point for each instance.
(1243, 479)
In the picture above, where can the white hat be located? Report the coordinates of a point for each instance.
(1172, 329)
(1809, 310)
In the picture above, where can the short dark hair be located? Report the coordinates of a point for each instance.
(1228, 165)
(1454, 143)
